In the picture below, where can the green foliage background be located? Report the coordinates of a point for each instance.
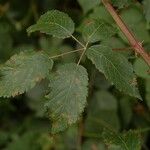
(111, 119)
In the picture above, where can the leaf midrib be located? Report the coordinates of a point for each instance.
(54, 23)
(95, 31)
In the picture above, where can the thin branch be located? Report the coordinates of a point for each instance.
(78, 41)
(81, 49)
(137, 46)
(122, 49)
(81, 56)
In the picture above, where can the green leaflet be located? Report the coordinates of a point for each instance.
(148, 92)
(88, 4)
(100, 12)
(31, 140)
(115, 67)
(55, 23)
(141, 68)
(126, 110)
(146, 4)
(97, 30)
(134, 19)
(88, 145)
(121, 3)
(24, 142)
(102, 106)
(67, 98)
(68, 140)
(22, 72)
(6, 41)
(125, 141)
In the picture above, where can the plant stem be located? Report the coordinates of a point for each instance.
(67, 53)
(137, 46)
(84, 50)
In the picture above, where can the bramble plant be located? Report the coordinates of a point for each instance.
(88, 76)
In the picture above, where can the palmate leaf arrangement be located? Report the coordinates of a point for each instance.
(68, 82)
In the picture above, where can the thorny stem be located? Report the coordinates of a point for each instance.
(137, 46)
(81, 49)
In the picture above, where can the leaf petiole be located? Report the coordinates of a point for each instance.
(63, 54)
(78, 41)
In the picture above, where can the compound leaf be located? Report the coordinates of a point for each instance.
(68, 94)
(22, 72)
(55, 23)
(115, 67)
